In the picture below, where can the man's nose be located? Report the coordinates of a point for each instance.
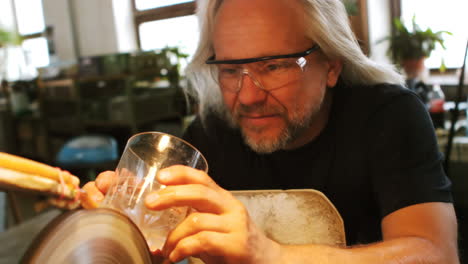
(250, 91)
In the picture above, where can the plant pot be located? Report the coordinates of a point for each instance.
(413, 67)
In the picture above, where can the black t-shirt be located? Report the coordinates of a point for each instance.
(377, 154)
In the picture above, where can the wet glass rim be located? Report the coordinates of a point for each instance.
(172, 136)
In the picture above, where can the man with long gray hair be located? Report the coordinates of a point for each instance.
(288, 100)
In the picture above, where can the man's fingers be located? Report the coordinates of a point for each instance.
(197, 196)
(91, 197)
(205, 242)
(179, 174)
(194, 223)
(104, 180)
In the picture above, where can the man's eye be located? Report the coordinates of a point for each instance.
(276, 66)
(273, 66)
(228, 71)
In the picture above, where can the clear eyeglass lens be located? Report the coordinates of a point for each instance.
(272, 74)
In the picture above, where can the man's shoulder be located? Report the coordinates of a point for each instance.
(378, 93)
(357, 108)
(210, 130)
(209, 125)
(364, 100)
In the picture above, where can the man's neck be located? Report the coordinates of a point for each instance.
(317, 125)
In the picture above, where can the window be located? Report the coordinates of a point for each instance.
(31, 26)
(36, 51)
(186, 37)
(157, 20)
(30, 16)
(150, 4)
(448, 15)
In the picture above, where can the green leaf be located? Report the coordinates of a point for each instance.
(442, 67)
(417, 43)
(9, 38)
(351, 7)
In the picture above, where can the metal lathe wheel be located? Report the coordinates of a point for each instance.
(89, 236)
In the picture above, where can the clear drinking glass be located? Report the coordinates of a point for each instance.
(144, 155)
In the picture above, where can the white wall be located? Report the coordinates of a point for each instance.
(94, 21)
(125, 25)
(379, 27)
(97, 31)
(57, 15)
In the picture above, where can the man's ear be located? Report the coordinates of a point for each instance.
(334, 71)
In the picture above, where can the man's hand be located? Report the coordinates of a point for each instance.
(219, 231)
(94, 191)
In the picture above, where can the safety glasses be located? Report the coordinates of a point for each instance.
(268, 73)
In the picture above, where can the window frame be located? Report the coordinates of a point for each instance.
(396, 11)
(41, 34)
(160, 13)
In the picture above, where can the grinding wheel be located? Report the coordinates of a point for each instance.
(90, 236)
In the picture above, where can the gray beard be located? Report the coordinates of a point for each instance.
(295, 127)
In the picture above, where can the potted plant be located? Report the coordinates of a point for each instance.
(7, 38)
(171, 61)
(410, 48)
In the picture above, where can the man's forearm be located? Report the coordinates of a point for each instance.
(398, 251)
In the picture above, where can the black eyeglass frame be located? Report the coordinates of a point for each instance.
(212, 60)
